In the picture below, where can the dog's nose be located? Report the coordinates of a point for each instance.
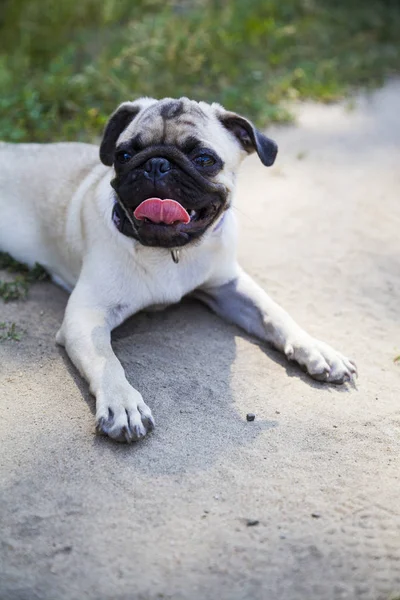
(155, 168)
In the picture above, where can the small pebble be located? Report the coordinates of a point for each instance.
(250, 416)
(315, 515)
(252, 522)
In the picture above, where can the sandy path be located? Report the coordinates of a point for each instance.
(82, 517)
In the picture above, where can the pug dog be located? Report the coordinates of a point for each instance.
(149, 224)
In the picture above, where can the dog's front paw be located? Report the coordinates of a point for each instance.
(321, 361)
(122, 414)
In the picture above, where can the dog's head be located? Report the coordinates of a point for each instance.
(175, 165)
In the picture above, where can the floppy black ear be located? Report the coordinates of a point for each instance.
(250, 138)
(119, 121)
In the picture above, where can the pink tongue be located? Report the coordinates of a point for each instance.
(161, 211)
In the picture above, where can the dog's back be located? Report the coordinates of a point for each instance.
(37, 182)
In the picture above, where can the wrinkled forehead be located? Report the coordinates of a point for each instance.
(171, 121)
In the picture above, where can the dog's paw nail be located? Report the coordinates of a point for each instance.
(138, 432)
(150, 424)
(101, 425)
(126, 434)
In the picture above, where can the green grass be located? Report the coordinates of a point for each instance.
(10, 331)
(64, 66)
(17, 289)
(14, 290)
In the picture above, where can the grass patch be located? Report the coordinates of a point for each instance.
(17, 289)
(14, 290)
(64, 66)
(10, 331)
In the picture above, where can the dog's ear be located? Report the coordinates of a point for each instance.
(249, 137)
(118, 121)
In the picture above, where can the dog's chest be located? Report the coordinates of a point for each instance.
(143, 277)
(162, 281)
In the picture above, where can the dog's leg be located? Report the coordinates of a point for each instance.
(86, 334)
(243, 302)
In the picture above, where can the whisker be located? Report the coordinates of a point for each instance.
(245, 215)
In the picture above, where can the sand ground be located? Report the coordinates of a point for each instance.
(84, 518)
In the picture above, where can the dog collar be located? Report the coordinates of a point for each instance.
(124, 226)
(121, 221)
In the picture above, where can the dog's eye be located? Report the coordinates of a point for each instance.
(123, 156)
(204, 160)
